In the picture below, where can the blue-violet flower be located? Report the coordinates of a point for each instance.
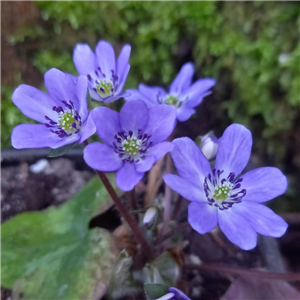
(222, 195)
(182, 94)
(106, 76)
(174, 294)
(63, 112)
(134, 140)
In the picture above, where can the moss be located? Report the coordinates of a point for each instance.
(239, 44)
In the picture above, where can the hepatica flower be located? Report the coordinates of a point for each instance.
(134, 140)
(63, 113)
(106, 76)
(222, 195)
(183, 95)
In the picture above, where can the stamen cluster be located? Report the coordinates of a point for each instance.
(131, 147)
(221, 191)
(68, 121)
(102, 85)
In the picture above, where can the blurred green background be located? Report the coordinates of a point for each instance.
(252, 49)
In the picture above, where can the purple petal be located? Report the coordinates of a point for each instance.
(237, 229)
(38, 136)
(196, 101)
(263, 184)
(88, 129)
(127, 177)
(102, 157)
(159, 150)
(137, 95)
(144, 165)
(122, 62)
(123, 80)
(190, 162)
(107, 123)
(234, 149)
(169, 296)
(61, 86)
(161, 122)
(198, 89)
(183, 79)
(184, 188)
(84, 59)
(263, 220)
(179, 295)
(34, 103)
(95, 96)
(184, 113)
(114, 98)
(105, 56)
(152, 93)
(133, 116)
(202, 217)
(81, 91)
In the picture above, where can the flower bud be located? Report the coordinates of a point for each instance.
(209, 146)
(150, 217)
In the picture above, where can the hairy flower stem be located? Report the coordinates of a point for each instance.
(125, 214)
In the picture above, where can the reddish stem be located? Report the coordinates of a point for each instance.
(125, 214)
(123, 211)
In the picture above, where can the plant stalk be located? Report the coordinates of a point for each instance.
(125, 214)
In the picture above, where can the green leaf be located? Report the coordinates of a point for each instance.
(53, 255)
(122, 281)
(61, 151)
(168, 268)
(154, 291)
(162, 273)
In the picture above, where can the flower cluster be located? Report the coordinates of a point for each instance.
(134, 139)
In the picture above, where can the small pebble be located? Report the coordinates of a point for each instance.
(40, 166)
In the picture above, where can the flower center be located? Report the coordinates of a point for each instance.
(103, 84)
(105, 88)
(171, 100)
(131, 147)
(221, 191)
(68, 121)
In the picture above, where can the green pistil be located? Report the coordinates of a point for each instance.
(221, 193)
(131, 146)
(104, 88)
(66, 121)
(172, 100)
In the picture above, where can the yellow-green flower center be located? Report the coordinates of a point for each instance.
(221, 192)
(131, 145)
(172, 100)
(104, 88)
(66, 120)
